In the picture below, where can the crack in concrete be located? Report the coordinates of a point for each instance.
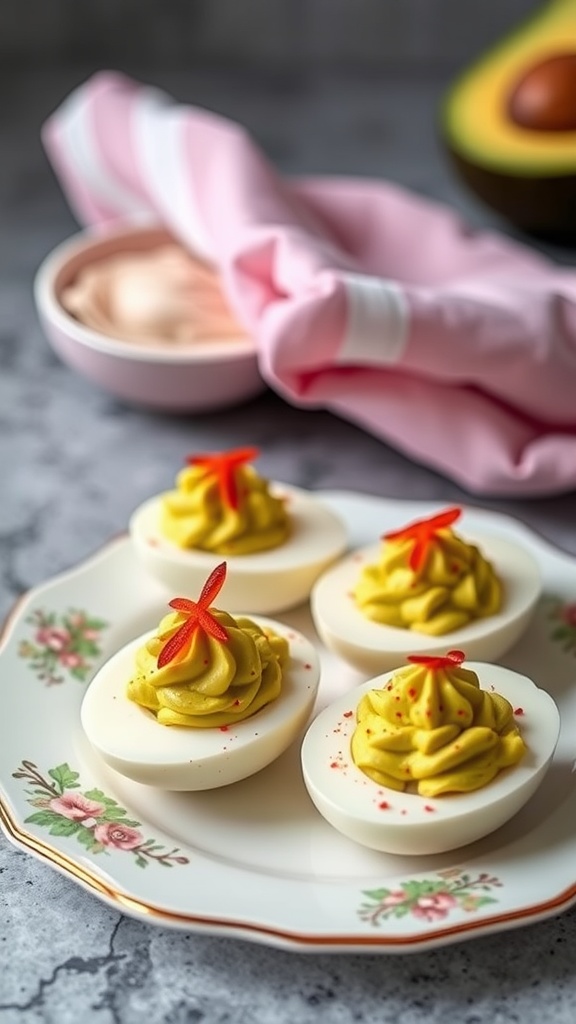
(129, 975)
(74, 965)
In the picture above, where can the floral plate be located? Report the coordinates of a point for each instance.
(255, 860)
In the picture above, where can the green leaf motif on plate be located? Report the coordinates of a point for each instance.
(430, 900)
(562, 614)
(62, 646)
(95, 820)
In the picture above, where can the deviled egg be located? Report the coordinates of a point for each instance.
(204, 700)
(276, 538)
(430, 757)
(422, 589)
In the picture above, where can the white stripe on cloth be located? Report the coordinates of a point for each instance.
(80, 150)
(158, 135)
(377, 323)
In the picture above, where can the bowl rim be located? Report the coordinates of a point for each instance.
(227, 350)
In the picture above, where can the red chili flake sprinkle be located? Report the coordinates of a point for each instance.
(334, 764)
(434, 662)
(403, 811)
(224, 728)
(236, 704)
(454, 567)
(384, 806)
(398, 714)
(412, 692)
(197, 617)
(460, 712)
(428, 807)
(389, 687)
(519, 711)
(348, 714)
(423, 532)
(307, 665)
(368, 732)
(222, 467)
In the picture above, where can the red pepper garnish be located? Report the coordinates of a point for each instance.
(197, 617)
(434, 662)
(423, 532)
(223, 466)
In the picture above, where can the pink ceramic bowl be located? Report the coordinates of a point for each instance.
(200, 377)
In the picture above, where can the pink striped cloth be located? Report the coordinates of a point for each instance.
(457, 348)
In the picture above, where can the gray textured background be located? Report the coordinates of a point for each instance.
(293, 36)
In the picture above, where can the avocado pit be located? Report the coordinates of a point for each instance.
(544, 99)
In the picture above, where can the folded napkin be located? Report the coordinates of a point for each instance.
(458, 348)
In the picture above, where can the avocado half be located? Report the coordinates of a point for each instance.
(509, 124)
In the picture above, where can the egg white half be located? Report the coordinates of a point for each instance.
(404, 822)
(264, 582)
(373, 647)
(133, 743)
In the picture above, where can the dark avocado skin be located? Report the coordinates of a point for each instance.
(543, 207)
(539, 204)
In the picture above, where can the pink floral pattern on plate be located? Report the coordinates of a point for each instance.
(431, 899)
(92, 818)
(62, 645)
(563, 615)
